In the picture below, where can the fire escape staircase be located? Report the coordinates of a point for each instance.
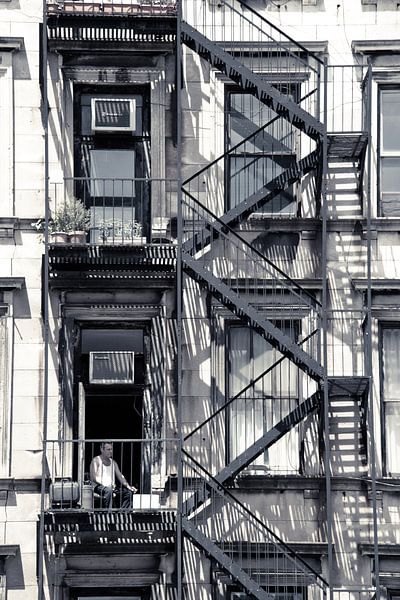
(220, 260)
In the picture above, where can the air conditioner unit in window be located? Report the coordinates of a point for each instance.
(113, 114)
(111, 367)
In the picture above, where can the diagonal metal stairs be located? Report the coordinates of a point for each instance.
(211, 529)
(205, 266)
(221, 260)
(245, 458)
(251, 82)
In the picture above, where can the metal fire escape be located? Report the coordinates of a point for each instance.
(262, 61)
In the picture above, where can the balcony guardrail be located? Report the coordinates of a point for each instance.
(345, 98)
(112, 7)
(148, 465)
(345, 339)
(114, 211)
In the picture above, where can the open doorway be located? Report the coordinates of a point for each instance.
(111, 415)
(111, 377)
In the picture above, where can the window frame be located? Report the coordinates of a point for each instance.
(232, 324)
(382, 325)
(382, 155)
(139, 201)
(229, 90)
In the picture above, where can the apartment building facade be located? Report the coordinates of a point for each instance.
(199, 241)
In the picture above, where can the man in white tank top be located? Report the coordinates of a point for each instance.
(103, 472)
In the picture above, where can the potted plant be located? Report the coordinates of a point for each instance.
(71, 219)
(116, 231)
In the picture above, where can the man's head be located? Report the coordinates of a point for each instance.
(106, 449)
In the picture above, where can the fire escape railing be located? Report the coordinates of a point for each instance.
(270, 66)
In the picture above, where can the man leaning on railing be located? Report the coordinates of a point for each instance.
(103, 472)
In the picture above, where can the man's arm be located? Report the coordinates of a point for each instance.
(95, 474)
(122, 479)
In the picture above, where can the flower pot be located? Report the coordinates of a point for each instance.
(77, 237)
(59, 237)
(137, 241)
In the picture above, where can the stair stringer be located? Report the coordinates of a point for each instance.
(229, 566)
(270, 437)
(251, 316)
(260, 198)
(254, 84)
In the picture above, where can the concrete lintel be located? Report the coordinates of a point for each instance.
(11, 44)
(377, 285)
(375, 46)
(7, 226)
(392, 550)
(12, 283)
(7, 550)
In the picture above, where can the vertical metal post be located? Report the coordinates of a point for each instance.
(327, 450)
(45, 119)
(368, 340)
(179, 297)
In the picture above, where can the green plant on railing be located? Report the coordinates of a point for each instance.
(115, 230)
(70, 216)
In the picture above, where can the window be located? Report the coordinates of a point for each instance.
(112, 161)
(390, 374)
(263, 156)
(390, 152)
(266, 402)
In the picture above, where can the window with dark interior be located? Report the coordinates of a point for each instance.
(112, 161)
(111, 373)
(389, 152)
(263, 155)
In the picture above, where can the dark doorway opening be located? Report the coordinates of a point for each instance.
(114, 416)
(109, 404)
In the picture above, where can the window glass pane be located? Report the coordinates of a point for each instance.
(391, 364)
(239, 357)
(265, 402)
(390, 187)
(112, 173)
(390, 175)
(390, 120)
(247, 114)
(391, 397)
(248, 174)
(263, 156)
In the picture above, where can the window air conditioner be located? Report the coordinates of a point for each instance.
(111, 367)
(113, 114)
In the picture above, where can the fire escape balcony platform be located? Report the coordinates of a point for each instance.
(153, 32)
(153, 529)
(121, 8)
(348, 386)
(89, 266)
(347, 147)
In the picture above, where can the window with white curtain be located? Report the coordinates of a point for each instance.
(390, 370)
(266, 402)
(389, 154)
